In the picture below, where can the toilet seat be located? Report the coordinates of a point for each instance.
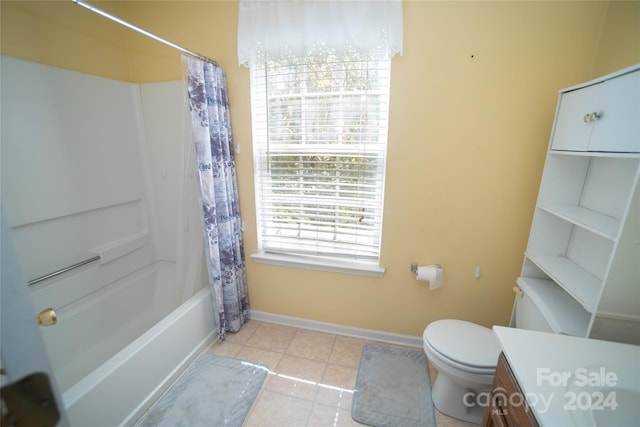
(464, 345)
(438, 359)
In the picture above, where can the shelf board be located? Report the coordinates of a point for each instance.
(564, 314)
(579, 283)
(554, 152)
(595, 222)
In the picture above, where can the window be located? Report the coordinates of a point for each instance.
(320, 137)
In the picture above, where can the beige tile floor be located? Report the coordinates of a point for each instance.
(311, 378)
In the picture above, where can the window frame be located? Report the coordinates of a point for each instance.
(368, 267)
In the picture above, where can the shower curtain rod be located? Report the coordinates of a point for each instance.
(144, 32)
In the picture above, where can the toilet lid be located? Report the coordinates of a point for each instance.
(464, 342)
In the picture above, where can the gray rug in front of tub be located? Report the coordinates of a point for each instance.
(393, 388)
(214, 391)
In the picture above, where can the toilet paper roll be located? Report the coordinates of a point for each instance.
(432, 274)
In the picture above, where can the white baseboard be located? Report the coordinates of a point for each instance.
(332, 328)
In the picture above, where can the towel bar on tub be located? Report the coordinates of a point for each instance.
(62, 270)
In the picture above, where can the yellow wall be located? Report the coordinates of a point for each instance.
(64, 35)
(472, 104)
(619, 45)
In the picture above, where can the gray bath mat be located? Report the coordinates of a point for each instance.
(214, 391)
(393, 388)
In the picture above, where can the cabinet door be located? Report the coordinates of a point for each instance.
(573, 126)
(508, 404)
(618, 127)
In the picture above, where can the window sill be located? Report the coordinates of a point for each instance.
(320, 264)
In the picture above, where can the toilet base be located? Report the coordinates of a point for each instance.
(457, 400)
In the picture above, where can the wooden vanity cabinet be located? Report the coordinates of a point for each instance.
(507, 406)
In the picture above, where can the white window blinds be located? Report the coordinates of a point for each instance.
(320, 135)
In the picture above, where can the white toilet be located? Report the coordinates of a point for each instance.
(465, 356)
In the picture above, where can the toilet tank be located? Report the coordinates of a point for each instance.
(527, 314)
(544, 306)
(541, 308)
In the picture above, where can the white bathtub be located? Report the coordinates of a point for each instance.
(127, 323)
(130, 379)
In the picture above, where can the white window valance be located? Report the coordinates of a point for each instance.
(285, 27)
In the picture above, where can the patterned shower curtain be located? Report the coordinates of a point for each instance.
(209, 105)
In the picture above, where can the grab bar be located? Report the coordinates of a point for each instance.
(63, 270)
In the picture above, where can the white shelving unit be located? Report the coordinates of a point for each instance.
(582, 264)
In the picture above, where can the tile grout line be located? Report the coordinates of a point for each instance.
(315, 403)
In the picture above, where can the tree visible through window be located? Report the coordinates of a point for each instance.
(320, 136)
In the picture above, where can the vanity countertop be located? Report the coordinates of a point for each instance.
(572, 381)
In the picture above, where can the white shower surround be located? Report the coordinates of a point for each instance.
(97, 166)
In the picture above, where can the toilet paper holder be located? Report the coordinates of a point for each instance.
(414, 267)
